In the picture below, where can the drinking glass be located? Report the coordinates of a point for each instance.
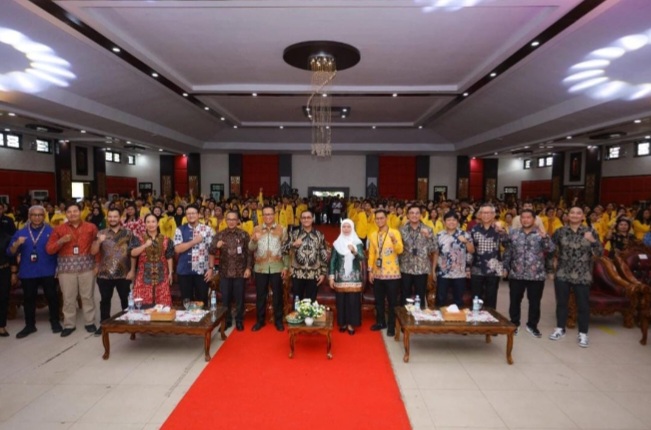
(186, 304)
(138, 303)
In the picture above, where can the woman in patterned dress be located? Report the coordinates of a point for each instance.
(154, 252)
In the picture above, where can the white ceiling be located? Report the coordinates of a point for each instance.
(222, 51)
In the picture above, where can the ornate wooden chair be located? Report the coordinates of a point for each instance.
(635, 266)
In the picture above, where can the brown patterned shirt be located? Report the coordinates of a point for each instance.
(235, 256)
(115, 260)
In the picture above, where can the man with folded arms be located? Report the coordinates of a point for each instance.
(235, 263)
(115, 266)
(524, 261)
(385, 245)
(71, 242)
(271, 267)
(36, 268)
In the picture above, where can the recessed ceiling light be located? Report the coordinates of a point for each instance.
(647, 137)
(637, 121)
(223, 119)
(281, 127)
(395, 94)
(535, 43)
(526, 147)
(154, 75)
(128, 141)
(116, 49)
(7, 129)
(206, 108)
(234, 126)
(185, 94)
(11, 114)
(493, 74)
(466, 94)
(82, 131)
(495, 153)
(324, 95)
(568, 137)
(373, 127)
(343, 110)
(254, 94)
(160, 150)
(420, 127)
(343, 116)
(327, 127)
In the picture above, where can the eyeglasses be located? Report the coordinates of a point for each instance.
(36, 214)
(231, 219)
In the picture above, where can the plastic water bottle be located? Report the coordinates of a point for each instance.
(417, 303)
(296, 303)
(131, 302)
(213, 301)
(475, 307)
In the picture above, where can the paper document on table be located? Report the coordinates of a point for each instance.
(134, 316)
(428, 315)
(190, 316)
(484, 316)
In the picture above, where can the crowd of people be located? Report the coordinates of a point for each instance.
(135, 245)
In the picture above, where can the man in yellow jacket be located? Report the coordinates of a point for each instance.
(385, 245)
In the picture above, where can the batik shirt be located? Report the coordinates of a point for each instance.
(415, 258)
(116, 261)
(194, 261)
(487, 260)
(234, 255)
(575, 254)
(73, 256)
(268, 251)
(525, 253)
(453, 255)
(310, 260)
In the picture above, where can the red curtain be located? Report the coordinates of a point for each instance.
(625, 189)
(181, 175)
(17, 184)
(121, 185)
(397, 177)
(535, 189)
(476, 180)
(260, 171)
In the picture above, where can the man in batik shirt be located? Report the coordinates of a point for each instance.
(309, 258)
(415, 260)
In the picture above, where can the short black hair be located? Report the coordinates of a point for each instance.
(70, 204)
(529, 211)
(381, 211)
(196, 208)
(450, 214)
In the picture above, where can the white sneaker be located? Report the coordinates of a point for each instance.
(557, 334)
(583, 340)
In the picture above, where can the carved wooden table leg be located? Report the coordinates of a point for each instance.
(222, 328)
(398, 329)
(509, 348)
(291, 345)
(406, 342)
(644, 326)
(107, 345)
(488, 338)
(206, 344)
(133, 336)
(329, 354)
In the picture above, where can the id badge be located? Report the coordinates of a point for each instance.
(33, 257)
(239, 249)
(414, 251)
(378, 262)
(75, 250)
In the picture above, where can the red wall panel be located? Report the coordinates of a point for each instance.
(260, 171)
(121, 185)
(476, 180)
(181, 175)
(16, 184)
(397, 177)
(625, 189)
(536, 189)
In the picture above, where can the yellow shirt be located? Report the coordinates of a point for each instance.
(247, 226)
(384, 248)
(394, 221)
(640, 229)
(286, 216)
(167, 226)
(361, 225)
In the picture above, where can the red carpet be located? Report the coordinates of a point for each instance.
(251, 383)
(331, 232)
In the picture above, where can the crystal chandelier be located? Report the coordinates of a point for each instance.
(319, 105)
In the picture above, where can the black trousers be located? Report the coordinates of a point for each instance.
(30, 290)
(262, 282)
(386, 289)
(534, 291)
(458, 285)
(5, 287)
(106, 287)
(349, 309)
(411, 283)
(233, 288)
(485, 287)
(304, 288)
(194, 287)
(336, 219)
(582, 294)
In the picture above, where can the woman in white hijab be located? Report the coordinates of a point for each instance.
(347, 277)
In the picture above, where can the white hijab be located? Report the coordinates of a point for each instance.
(342, 242)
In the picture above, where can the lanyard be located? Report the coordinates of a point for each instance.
(413, 239)
(380, 245)
(29, 229)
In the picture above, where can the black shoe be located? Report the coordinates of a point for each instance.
(98, 332)
(351, 331)
(257, 326)
(67, 331)
(377, 327)
(229, 324)
(56, 327)
(342, 329)
(25, 332)
(391, 332)
(280, 326)
(91, 328)
(239, 326)
(4, 332)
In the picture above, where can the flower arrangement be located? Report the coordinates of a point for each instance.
(307, 308)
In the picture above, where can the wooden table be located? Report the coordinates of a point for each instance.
(319, 327)
(407, 324)
(202, 328)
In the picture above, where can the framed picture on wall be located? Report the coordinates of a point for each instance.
(81, 156)
(576, 164)
(217, 191)
(440, 193)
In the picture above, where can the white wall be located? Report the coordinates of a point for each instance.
(214, 170)
(443, 171)
(147, 169)
(336, 171)
(627, 165)
(26, 159)
(91, 167)
(511, 173)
